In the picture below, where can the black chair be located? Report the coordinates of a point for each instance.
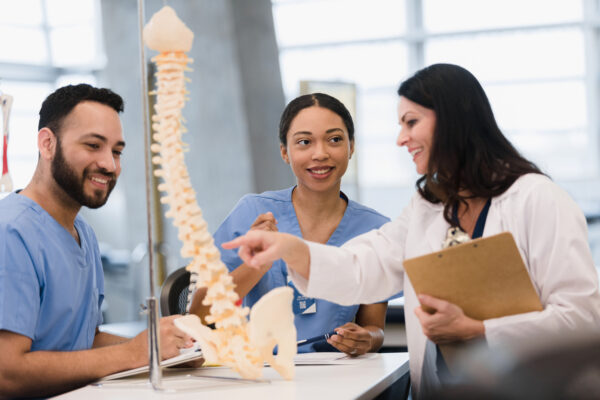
(174, 292)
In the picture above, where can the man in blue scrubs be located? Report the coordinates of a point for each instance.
(51, 279)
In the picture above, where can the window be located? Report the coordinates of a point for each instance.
(59, 42)
(536, 60)
(539, 97)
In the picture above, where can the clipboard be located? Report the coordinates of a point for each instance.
(486, 277)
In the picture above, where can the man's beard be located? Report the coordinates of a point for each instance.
(67, 179)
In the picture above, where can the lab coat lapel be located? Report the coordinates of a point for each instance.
(436, 231)
(493, 222)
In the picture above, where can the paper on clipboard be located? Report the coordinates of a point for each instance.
(486, 277)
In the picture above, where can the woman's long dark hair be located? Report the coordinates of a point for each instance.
(469, 152)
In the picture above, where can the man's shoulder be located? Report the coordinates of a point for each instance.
(17, 211)
(19, 223)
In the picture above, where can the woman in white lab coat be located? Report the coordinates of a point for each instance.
(472, 178)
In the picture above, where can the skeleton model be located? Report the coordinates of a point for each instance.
(5, 181)
(237, 343)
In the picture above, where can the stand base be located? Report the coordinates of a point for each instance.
(180, 380)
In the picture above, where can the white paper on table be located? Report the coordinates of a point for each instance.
(186, 355)
(330, 358)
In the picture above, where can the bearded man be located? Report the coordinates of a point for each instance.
(51, 278)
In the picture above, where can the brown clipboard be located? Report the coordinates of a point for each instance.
(486, 277)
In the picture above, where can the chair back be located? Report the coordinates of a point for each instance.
(174, 292)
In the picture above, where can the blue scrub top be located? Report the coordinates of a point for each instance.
(357, 219)
(51, 288)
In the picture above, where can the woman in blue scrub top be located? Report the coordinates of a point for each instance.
(316, 135)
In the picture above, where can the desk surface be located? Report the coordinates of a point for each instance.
(362, 380)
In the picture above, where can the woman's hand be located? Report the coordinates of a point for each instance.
(259, 247)
(448, 323)
(246, 276)
(265, 222)
(351, 339)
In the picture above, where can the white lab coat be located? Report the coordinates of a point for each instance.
(550, 232)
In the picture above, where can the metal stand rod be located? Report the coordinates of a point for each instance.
(153, 344)
(153, 332)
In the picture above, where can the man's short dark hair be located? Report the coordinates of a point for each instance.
(60, 103)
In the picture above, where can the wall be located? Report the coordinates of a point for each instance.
(232, 116)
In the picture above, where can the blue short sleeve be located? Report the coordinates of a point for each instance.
(19, 286)
(51, 286)
(97, 261)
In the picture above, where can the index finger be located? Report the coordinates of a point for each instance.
(346, 327)
(235, 243)
(353, 334)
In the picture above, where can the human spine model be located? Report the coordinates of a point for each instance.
(234, 342)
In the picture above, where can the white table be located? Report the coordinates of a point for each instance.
(363, 380)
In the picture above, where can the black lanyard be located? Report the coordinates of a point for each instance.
(441, 366)
(479, 225)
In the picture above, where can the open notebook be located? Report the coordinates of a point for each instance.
(186, 355)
